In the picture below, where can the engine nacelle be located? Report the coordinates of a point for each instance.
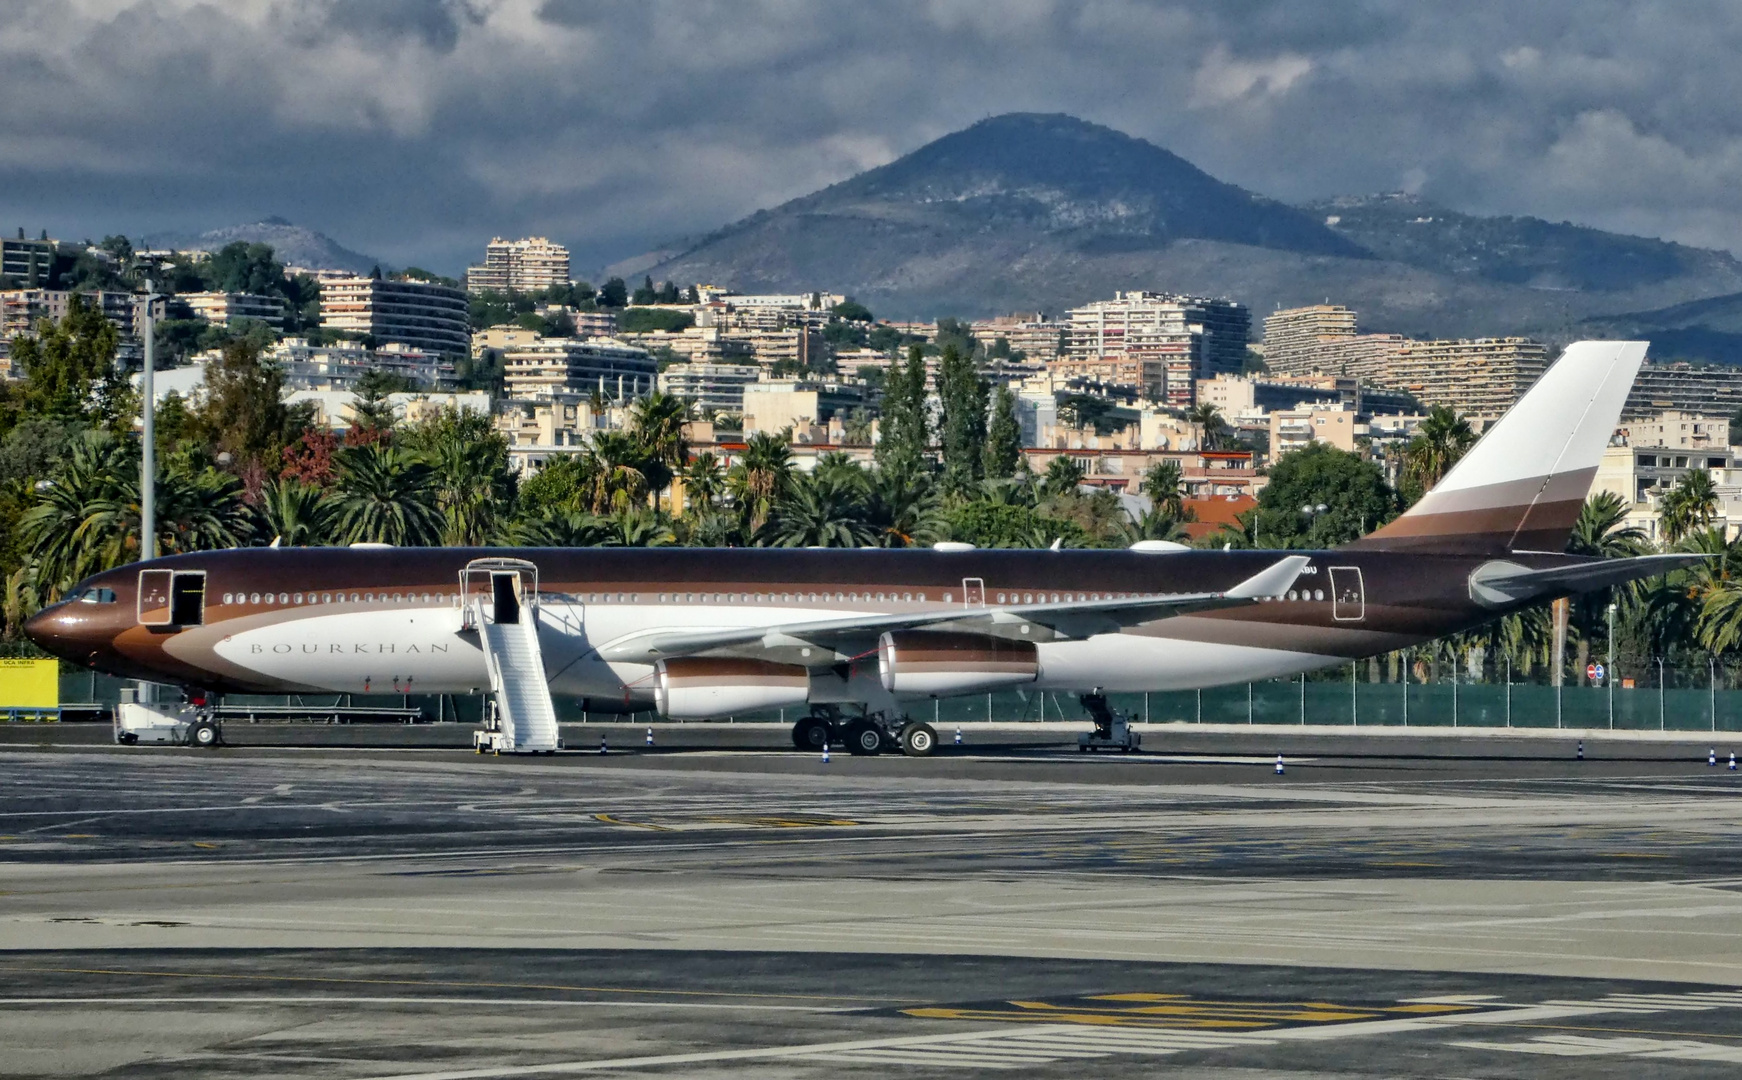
(944, 662)
(701, 688)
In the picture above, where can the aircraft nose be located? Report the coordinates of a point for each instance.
(55, 630)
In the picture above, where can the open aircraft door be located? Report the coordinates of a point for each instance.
(501, 589)
(172, 598)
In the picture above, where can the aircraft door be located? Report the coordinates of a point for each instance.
(172, 598)
(1348, 594)
(187, 599)
(505, 596)
(973, 592)
(154, 587)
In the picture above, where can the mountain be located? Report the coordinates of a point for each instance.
(1044, 212)
(293, 245)
(1708, 329)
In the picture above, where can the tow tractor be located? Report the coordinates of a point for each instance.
(1112, 729)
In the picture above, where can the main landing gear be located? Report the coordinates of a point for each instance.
(865, 736)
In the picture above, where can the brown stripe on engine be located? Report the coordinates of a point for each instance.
(728, 671)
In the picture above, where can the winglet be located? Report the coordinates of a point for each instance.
(1273, 580)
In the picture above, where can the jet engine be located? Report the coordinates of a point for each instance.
(701, 688)
(944, 662)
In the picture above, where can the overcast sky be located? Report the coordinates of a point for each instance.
(414, 130)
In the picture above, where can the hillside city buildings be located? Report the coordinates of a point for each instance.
(560, 372)
(530, 265)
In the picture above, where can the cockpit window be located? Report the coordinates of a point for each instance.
(94, 596)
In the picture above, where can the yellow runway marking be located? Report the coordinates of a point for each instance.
(609, 820)
(1181, 1010)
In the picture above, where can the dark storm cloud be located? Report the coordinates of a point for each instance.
(416, 129)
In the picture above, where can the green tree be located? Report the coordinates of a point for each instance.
(644, 320)
(852, 311)
(962, 437)
(1353, 492)
(614, 293)
(69, 367)
(1164, 485)
(294, 514)
(386, 495)
(904, 509)
(760, 478)
(473, 485)
(821, 510)
(244, 411)
(657, 423)
(1439, 442)
(905, 434)
(1064, 474)
(243, 267)
(1003, 437)
(1003, 525)
(704, 481)
(618, 470)
(1691, 504)
(1212, 428)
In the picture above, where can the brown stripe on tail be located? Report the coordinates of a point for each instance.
(1534, 514)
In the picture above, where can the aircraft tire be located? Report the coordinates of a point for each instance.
(864, 739)
(203, 733)
(918, 740)
(812, 733)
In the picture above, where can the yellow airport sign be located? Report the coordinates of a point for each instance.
(29, 684)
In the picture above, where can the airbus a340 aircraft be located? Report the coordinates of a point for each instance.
(853, 637)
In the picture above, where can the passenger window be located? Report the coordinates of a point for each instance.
(1292, 594)
(297, 597)
(1000, 598)
(398, 598)
(229, 597)
(368, 598)
(946, 597)
(255, 599)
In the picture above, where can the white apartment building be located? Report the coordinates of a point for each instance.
(529, 265)
(421, 314)
(335, 409)
(554, 427)
(1135, 321)
(554, 366)
(219, 308)
(1295, 429)
(339, 366)
(712, 387)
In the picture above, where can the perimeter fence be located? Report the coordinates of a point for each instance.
(1478, 692)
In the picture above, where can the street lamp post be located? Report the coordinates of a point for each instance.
(148, 436)
(1312, 515)
(1611, 672)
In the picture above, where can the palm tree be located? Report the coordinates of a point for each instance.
(656, 422)
(472, 483)
(704, 481)
(21, 600)
(619, 481)
(903, 509)
(637, 526)
(1691, 504)
(59, 531)
(821, 511)
(760, 478)
(386, 495)
(1602, 530)
(1155, 524)
(1164, 485)
(1207, 418)
(1439, 442)
(294, 514)
(560, 527)
(1063, 476)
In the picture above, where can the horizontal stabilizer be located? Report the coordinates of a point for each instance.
(1500, 584)
(1273, 580)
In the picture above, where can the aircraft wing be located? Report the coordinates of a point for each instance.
(1065, 619)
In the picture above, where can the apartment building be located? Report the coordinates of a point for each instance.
(551, 366)
(1714, 390)
(1297, 428)
(219, 308)
(421, 314)
(339, 366)
(538, 431)
(799, 404)
(1030, 333)
(1189, 337)
(529, 265)
(27, 262)
(336, 409)
(1479, 378)
(1677, 431)
(712, 387)
(22, 309)
(1324, 338)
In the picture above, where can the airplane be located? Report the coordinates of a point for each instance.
(856, 637)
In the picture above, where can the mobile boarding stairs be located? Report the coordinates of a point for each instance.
(500, 603)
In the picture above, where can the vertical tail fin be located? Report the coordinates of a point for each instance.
(1521, 486)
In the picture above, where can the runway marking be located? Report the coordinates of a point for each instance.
(1148, 1010)
(327, 999)
(330, 980)
(1588, 1046)
(609, 820)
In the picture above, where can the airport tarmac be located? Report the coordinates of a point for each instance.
(739, 913)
